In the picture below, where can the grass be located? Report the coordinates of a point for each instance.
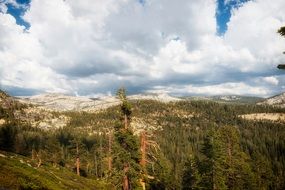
(17, 172)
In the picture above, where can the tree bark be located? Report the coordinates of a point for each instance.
(126, 179)
(33, 154)
(126, 121)
(143, 157)
(39, 159)
(143, 150)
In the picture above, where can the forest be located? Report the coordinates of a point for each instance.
(147, 144)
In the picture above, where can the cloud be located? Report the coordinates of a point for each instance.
(271, 80)
(220, 89)
(93, 47)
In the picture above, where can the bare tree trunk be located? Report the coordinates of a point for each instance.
(143, 150)
(77, 160)
(33, 154)
(143, 157)
(39, 159)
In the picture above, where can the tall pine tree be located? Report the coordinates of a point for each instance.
(126, 148)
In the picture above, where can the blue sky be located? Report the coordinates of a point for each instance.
(18, 12)
(92, 47)
(223, 13)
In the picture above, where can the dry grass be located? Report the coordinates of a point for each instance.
(265, 116)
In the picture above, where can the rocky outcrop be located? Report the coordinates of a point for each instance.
(278, 100)
(157, 97)
(61, 102)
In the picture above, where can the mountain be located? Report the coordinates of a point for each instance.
(278, 100)
(39, 148)
(229, 99)
(61, 102)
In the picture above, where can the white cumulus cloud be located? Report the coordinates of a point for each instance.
(95, 46)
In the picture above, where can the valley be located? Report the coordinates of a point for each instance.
(45, 135)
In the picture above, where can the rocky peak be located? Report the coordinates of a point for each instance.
(278, 100)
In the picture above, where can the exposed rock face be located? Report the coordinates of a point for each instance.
(228, 99)
(60, 102)
(157, 97)
(278, 100)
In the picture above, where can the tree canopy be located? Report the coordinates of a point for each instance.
(281, 31)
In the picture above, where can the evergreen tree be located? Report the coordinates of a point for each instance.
(212, 165)
(8, 134)
(191, 176)
(237, 168)
(281, 31)
(126, 158)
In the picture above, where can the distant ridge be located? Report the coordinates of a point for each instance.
(62, 102)
(228, 99)
(277, 100)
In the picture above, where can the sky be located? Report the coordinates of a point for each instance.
(183, 47)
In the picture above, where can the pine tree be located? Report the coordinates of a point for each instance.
(212, 166)
(126, 158)
(238, 170)
(281, 31)
(191, 176)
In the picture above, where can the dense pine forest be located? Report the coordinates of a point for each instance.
(148, 144)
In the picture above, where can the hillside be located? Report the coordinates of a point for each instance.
(228, 99)
(19, 172)
(278, 100)
(176, 135)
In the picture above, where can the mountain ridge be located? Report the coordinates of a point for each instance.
(62, 102)
(277, 100)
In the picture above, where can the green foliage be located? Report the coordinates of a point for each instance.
(281, 31)
(126, 108)
(126, 147)
(193, 139)
(8, 134)
(16, 173)
(191, 176)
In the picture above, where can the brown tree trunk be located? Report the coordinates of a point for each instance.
(126, 179)
(77, 160)
(143, 150)
(39, 159)
(126, 121)
(33, 154)
(143, 157)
